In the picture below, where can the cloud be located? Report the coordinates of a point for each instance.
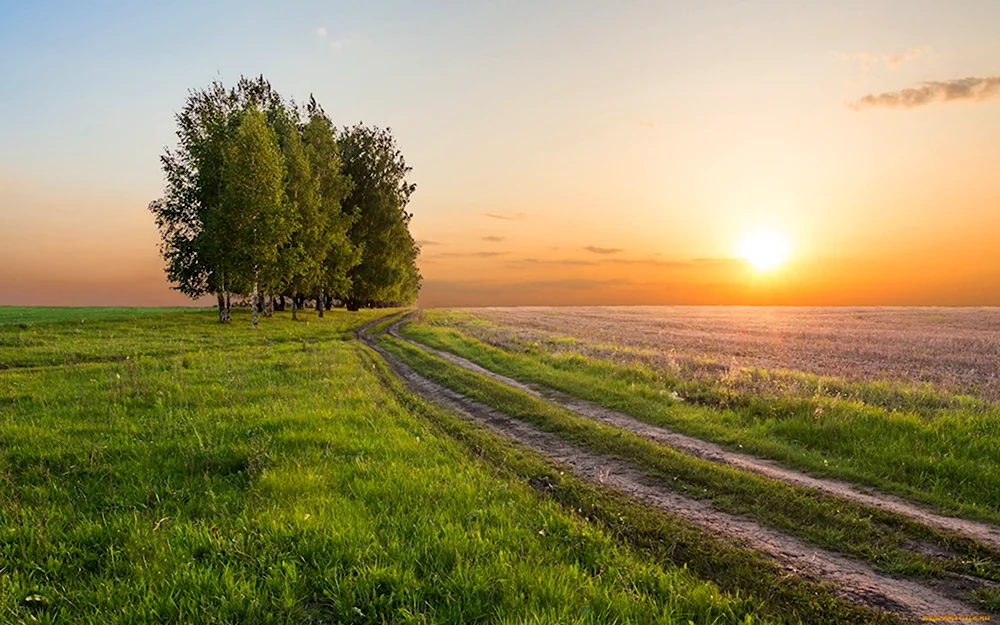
(649, 261)
(602, 250)
(473, 254)
(972, 89)
(335, 44)
(720, 261)
(494, 239)
(895, 60)
(424, 243)
(869, 60)
(511, 217)
(568, 261)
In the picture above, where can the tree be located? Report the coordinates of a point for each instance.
(251, 216)
(193, 171)
(259, 201)
(331, 249)
(195, 254)
(387, 273)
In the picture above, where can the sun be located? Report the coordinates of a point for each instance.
(764, 249)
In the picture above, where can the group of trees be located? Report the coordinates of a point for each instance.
(266, 199)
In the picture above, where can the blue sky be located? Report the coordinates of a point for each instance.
(664, 130)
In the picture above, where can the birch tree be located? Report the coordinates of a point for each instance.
(252, 218)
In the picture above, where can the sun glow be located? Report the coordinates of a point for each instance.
(764, 249)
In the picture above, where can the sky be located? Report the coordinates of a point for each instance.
(565, 152)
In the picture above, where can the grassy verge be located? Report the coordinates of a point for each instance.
(209, 473)
(876, 536)
(948, 457)
(775, 595)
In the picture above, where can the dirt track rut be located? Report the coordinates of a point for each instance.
(854, 580)
(982, 532)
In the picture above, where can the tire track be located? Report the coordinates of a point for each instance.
(853, 580)
(983, 533)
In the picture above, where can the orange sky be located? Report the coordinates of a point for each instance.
(606, 154)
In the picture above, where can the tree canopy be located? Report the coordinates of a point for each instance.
(264, 197)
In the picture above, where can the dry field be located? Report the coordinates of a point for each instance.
(954, 349)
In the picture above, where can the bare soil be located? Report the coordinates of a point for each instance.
(854, 580)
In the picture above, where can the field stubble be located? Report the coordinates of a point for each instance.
(951, 349)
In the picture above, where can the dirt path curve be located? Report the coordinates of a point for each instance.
(982, 532)
(854, 580)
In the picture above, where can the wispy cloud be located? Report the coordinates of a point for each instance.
(510, 217)
(335, 44)
(869, 59)
(603, 250)
(425, 242)
(895, 60)
(720, 261)
(493, 239)
(649, 261)
(568, 261)
(473, 254)
(972, 89)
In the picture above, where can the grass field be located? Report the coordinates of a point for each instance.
(860, 531)
(163, 467)
(46, 314)
(913, 439)
(156, 465)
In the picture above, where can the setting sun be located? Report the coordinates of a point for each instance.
(764, 249)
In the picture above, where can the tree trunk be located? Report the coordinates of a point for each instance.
(320, 304)
(253, 304)
(269, 307)
(281, 303)
(294, 306)
(224, 301)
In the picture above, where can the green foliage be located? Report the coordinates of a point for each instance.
(193, 174)
(226, 216)
(387, 273)
(331, 251)
(251, 215)
(169, 470)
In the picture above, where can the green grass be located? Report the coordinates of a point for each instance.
(664, 537)
(947, 456)
(167, 468)
(868, 533)
(47, 314)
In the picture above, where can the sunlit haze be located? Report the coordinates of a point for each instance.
(772, 152)
(764, 249)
